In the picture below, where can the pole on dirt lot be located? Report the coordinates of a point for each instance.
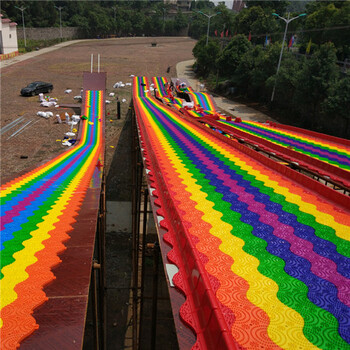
(98, 63)
(118, 109)
(59, 8)
(24, 29)
(92, 61)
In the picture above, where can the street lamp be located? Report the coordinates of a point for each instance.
(288, 20)
(114, 9)
(24, 29)
(209, 17)
(60, 9)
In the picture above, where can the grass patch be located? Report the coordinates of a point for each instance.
(36, 44)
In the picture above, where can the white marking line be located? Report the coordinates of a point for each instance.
(30, 126)
(15, 133)
(11, 125)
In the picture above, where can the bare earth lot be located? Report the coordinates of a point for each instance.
(64, 67)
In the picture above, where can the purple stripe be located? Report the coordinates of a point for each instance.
(320, 266)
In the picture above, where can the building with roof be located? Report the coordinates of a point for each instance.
(8, 38)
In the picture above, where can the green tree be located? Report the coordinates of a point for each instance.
(336, 106)
(231, 56)
(319, 72)
(272, 6)
(206, 56)
(256, 21)
(329, 21)
(262, 63)
(286, 81)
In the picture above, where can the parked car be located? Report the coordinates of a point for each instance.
(36, 88)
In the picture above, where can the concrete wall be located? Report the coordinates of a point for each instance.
(9, 39)
(48, 33)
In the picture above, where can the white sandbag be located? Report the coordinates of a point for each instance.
(127, 84)
(75, 117)
(68, 91)
(59, 120)
(49, 114)
(77, 97)
(70, 134)
(111, 94)
(48, 104)
(42, 114)
(123, 100)
(108, 101)
(132, 75)
(122, 85)
(41, 97)
(187, 104)
(118, 84)
(53, 99)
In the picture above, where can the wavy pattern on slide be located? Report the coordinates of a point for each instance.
(324, 150)
(335, 154)
(37, 211)
(280, 253)
(201, 99)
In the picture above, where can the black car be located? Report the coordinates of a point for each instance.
(36, 88)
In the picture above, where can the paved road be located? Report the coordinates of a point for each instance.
(31, 54)
(184, 70)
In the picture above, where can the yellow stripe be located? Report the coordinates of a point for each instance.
(262, 291)
(15, 273)
(323, 218)
(6, 190)
(299, 136)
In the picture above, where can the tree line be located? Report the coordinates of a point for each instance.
(100, 18)
(312, 90)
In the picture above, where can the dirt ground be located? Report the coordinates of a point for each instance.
(23, 149)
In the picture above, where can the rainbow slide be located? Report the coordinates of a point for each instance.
(37, 211)
(330, 152)
(263, 255)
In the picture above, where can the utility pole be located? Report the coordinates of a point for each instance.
(209, 17)
(287, 20)
(60, 9)
(24, 29)
(114, 9)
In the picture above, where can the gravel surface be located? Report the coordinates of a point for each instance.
(36, 142)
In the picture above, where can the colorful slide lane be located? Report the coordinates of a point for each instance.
(321, 153)
(323, 150)
(263, 261)
(339, 175)
(202, 99)
(204, 105)
(37, 211)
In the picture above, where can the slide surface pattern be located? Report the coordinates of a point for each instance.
(277, 256)
(324, 150)
(335, 154)
(37, 211)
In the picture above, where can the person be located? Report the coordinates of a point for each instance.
(183, 86)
